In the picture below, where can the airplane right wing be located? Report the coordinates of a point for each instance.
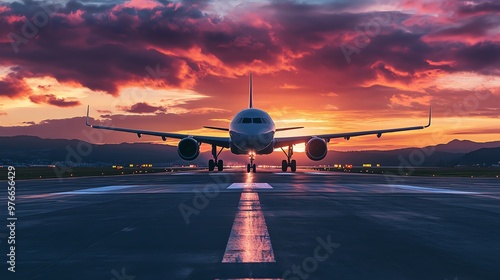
(289, 141)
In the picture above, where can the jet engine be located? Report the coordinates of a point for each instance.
(188, 149)
(316, 148)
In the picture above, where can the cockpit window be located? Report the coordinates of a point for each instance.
(247, 120)
(264, 120)
(257, 120)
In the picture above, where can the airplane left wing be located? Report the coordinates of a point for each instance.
(218, 141)
(289, 141)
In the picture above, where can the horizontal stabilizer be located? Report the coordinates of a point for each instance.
(217, 128)
(288, 128)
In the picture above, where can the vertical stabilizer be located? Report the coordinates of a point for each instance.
(251, 92)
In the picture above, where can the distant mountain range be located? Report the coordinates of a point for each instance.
(30, 150)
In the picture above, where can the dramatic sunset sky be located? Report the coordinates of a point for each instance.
(331, 66)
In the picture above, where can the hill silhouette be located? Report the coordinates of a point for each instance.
(29, 150)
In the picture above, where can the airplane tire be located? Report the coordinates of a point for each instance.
(211, 165)
(254, 168)
(220, 165)
(284, 165)
(293, 165)
(248, 168)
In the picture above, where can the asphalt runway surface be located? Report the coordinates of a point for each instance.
(267, 225)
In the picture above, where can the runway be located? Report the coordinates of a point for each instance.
(267, 225)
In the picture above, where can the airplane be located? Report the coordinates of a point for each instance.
(252, 132)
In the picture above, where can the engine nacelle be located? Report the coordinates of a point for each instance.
(188, 149)
(316, 148)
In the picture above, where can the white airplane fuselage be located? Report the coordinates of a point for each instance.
(252, 131)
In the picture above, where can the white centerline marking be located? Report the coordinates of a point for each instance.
(249, 241)
(238, 186)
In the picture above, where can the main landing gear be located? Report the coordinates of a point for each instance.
(251, 165)
(289, 162)
(214, 162)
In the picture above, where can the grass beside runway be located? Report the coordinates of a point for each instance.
(483, 172)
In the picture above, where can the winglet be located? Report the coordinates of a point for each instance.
(87, 119)
(251, 92)
(430, 117)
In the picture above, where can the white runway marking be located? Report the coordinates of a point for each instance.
(249, 241)
(284, 173)
(424, 189)
(252, 186)
(320, 173)
(98, 190)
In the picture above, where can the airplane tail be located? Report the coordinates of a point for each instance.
(251, 92)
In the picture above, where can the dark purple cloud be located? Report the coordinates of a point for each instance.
(108, 46)
(143, 108)
(482, 7)
(13, 86)
(53, 100)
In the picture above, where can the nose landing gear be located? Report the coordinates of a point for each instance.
(251, 165)
(289, 162)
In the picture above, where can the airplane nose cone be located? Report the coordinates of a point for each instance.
(256, 142)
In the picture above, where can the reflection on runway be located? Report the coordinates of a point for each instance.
(249, 241)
